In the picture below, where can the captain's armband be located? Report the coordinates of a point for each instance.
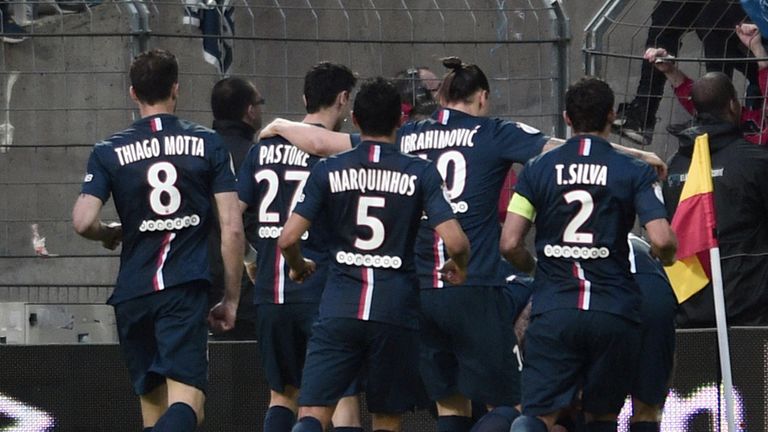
(521, 206)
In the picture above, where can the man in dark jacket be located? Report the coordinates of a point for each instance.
(236, 106)
(741, 205)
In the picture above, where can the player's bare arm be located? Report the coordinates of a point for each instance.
(249, 259)
(86, 221)
(222, 316)
(454, 271)
(663, 240)
(520, 214)
(310, 139)
(650, 158)
(301, 268)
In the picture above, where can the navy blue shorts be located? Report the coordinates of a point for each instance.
(342, 350)
(165, 334)
(468, 345)
(283, 331)
(518, 292)
(568, 350)
(657, 346)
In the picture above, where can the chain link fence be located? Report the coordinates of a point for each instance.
(65, 87)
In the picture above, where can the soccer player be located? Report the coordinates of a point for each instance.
(657, 338)
(461, 359)
(164, 173)
(374, 197)
(584, 327)
(270, 181)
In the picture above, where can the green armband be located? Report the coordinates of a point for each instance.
(521, 206)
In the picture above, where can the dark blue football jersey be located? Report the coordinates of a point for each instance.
(271, 181)
(162, 173)
(640, 259)
(374, 197)
(586, 195)
(473, 154)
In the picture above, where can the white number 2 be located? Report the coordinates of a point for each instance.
(374, 223)
(163, 187)
(571, 233)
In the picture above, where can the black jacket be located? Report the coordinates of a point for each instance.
(237, 137)
(739, 171)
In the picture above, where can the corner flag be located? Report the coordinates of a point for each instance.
(694, 225)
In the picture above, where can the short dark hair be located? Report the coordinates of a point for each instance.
(324, 82)
(712, 94)
(231, 97)
(462, 81)
(153, 74)
(588, 102)
(377, 107)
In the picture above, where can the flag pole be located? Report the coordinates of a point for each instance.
(722, 337)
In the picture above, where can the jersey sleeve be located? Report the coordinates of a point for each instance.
(246, 182)
(223, 169)
(518, 142)
(435, 202)
(97, 181)
(354, 140)
(524, 185)
(313, 197)
(649, 202)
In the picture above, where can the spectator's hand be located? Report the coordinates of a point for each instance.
(306, 270)
(749, 35)
(452, 273)
(221, 318)
(250, 270)
(114, 235)
(660, 59)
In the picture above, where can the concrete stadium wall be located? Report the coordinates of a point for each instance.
(70, 90)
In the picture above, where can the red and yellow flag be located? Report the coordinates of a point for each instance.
(694, 225)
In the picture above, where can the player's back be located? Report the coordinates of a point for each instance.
(586, 196)
(473, 154)
(375, 197)
(162, 173)
(271, 181)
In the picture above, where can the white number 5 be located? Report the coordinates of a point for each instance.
(374, 223)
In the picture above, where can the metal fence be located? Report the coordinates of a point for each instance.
(65, 87)
(616, 38)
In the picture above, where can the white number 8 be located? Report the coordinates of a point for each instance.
(160, 187)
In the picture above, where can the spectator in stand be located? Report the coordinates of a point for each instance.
(713, 22)
(417, 88)
(752, 120)
(10, 31)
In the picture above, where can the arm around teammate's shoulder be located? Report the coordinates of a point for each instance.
(663, 240)
(308, 138)
(457, 244)
(650, 158)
